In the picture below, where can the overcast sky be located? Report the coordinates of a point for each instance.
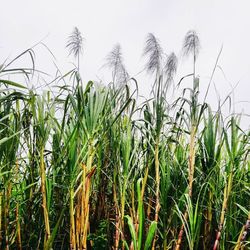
(105, 23)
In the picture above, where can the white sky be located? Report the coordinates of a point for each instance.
(104, 23)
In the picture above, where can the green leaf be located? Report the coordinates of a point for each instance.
(132, 230)
(14, 84)
(140, 212)
(5, 139)
(244, 210)
(150, 236)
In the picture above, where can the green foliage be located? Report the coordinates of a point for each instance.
(100, 238)
(86, 161)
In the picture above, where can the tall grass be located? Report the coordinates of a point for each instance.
(88, 167)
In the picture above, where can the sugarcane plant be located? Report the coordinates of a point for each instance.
(87, 165)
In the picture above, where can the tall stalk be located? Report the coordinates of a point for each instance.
(44, 198)
(243, 234)
(235, 148)
(191, 46)
(155, 65)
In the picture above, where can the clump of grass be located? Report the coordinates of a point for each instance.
(84, 166)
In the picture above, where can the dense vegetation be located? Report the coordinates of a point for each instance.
(85, 166)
